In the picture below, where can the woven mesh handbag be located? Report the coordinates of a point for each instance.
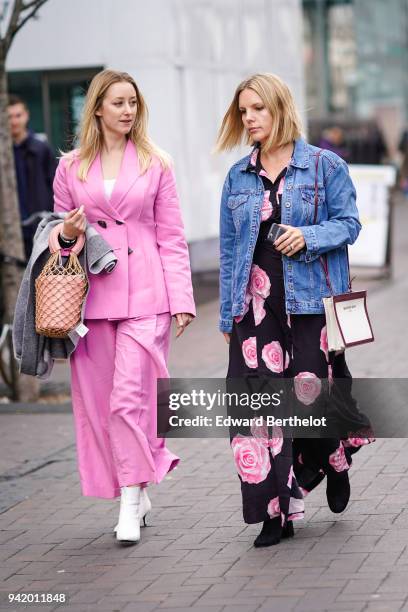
(60, 290)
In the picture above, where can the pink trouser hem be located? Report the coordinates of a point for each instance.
(105, 493)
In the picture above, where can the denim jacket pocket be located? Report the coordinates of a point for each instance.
(308, 202)
(235, 204)
(236, 200)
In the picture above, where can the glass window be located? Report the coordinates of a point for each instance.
(55, 99)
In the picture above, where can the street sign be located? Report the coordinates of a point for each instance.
(373, 185)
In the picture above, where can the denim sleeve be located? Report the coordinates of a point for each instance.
(227, 239)
(342, 226)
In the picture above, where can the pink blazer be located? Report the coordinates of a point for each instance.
(142, 223)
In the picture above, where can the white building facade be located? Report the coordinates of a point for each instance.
(187, 57)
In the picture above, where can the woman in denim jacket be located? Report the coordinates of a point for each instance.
(271, 309)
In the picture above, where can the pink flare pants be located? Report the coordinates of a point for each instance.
(114, 372)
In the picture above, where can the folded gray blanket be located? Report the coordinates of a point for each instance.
(35, 353)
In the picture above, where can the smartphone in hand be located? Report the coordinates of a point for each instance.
(274, 233)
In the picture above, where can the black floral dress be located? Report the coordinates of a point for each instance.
(276, 473)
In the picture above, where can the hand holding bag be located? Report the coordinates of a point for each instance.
(347, 320)
(60, 290)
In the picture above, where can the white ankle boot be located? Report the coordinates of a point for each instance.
(144, 507)
(128, 527)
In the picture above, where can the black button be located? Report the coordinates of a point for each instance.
(130, 250)
(119, 222)
(102, 223)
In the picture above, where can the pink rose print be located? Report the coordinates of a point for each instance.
(260, 432)
(357, 441)
(248, 298)
(258, 308)
(324, 346)
(291, 475)
(251, 458)
(259, 283)
(330, 375)
(276, 442)
(254, 157)
(274, 507)
(296, 517)
(296, 505)
(273, 356)
(266, 209)
(338, 459)
(249, 352)
(280, 190)
(307, 387)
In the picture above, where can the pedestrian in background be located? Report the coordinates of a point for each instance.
(120, 182)
(333, 139)
(271, 310)
(35, 165)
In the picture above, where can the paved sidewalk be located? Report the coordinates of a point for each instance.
(196, 552)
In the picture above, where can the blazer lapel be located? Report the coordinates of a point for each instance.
(128, 174)
(94, 187)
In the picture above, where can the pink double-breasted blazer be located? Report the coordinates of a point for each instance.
(142, 223)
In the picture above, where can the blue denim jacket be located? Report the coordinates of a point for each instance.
(337, 225)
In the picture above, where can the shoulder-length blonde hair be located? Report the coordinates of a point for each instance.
(278, 99)
(90, 138)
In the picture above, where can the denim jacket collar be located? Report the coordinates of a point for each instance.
(300, 157)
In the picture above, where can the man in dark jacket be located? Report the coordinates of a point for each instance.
(35, 168)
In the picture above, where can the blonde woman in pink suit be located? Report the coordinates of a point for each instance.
(124, 186)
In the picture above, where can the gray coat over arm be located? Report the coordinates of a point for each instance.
(36, 353)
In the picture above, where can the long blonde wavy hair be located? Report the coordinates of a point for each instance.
(278, 99)
(90, 137)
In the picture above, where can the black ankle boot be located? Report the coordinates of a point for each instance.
(288, 531)
(338, 490)
(271, 533)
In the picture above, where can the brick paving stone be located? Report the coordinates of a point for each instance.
(266, 582)
(244, 608)
(227, 589)
(362, 585)
(197, 607)
(214, 570)
(395, 582)
(139, 607)
(369, 596)
(378, 606)
(317, 599)
(180, 600)
(393, 540)
(241, 600)
(347, 562)
(360, 543)
(279, 604)
(337, 606)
